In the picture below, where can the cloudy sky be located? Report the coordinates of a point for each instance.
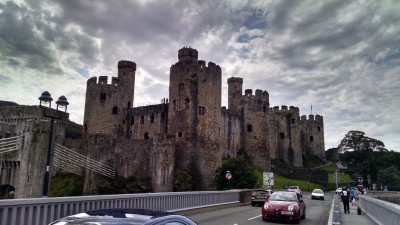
(341, 57)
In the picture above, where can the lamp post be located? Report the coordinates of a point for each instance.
(62, 102)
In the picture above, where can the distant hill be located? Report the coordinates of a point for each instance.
(7, 103)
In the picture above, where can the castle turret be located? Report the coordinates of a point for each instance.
(195, 115)
(105, 103)
(313, 130)
(234, 92)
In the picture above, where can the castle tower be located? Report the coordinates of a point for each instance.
(288, 134)
(195, 115)
(255, 127)
(234, 93)
(105, 103)
(313, 135)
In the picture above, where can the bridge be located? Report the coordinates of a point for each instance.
(205, 208)
(25, 137)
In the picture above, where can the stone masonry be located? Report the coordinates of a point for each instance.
(190, 130)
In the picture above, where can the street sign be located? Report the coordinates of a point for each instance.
(268, 178)
(228, 175)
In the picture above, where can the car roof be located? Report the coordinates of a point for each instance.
(122, 216)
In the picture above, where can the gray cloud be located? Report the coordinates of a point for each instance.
(340, 56)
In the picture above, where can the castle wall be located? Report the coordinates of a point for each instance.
(230, 137)
(162, 163)
(147, 121)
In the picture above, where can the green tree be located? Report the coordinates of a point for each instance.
(389, 177)
(357, 141)
(66, 184)
(366, 156)
(243, 174)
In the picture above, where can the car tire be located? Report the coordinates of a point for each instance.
(253, 204)
(297, 221)
(323, 199)
(304, 215)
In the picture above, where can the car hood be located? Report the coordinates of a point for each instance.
(280, 204)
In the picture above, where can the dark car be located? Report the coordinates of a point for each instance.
(258, 197)
(284, 206)
(124, 217)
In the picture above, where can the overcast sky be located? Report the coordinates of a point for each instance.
(341, 57)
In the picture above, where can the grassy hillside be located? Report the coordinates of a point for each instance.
(281, 182)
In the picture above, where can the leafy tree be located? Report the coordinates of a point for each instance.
(389, 177)
(356, 141)
(243, 174)
(66, 184)
(366, 156)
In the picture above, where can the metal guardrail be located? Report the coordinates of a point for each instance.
(381, 212)
(41, 211)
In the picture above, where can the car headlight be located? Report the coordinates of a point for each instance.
(266, 205)
(290, 208)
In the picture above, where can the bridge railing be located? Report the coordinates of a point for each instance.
(41, 211)
(382, 212)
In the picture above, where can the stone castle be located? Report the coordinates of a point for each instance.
(190, 131)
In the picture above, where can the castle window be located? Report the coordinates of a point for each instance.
(162, 117)
(103, 96)
(180, 134)
(129, 104)
(311, 138)
(181, 87)
(282, 135)
(249, 128)
(293, 120)
(187, 103)
(152, 118)
(146, 136)
(132, 120)
(115, 110)
(142, 119)
(174, 105)
(319, 128)
(264, 108)
(202, 110)
(86, 128)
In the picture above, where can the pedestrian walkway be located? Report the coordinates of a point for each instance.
(352, 218)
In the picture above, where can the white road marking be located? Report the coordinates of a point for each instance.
(254, 217)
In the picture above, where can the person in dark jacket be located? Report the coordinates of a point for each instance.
(345, 196)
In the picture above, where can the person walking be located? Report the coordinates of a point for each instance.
(352, 193)
(345, 196)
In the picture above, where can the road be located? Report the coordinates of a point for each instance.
(317, 213)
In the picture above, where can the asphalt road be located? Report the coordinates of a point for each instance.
(317, 213)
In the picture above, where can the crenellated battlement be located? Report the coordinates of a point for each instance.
(285, 109)
(259, 94)
(187, 54)
(317, 118)
(103, 80)
(235, 79)
(126, 64)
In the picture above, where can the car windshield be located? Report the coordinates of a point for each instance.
(283, 196)
(318, 191)
(293, 187)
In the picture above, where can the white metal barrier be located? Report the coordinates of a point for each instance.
(41, 211)
(382, 212)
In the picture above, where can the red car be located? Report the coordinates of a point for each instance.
(285, 206)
